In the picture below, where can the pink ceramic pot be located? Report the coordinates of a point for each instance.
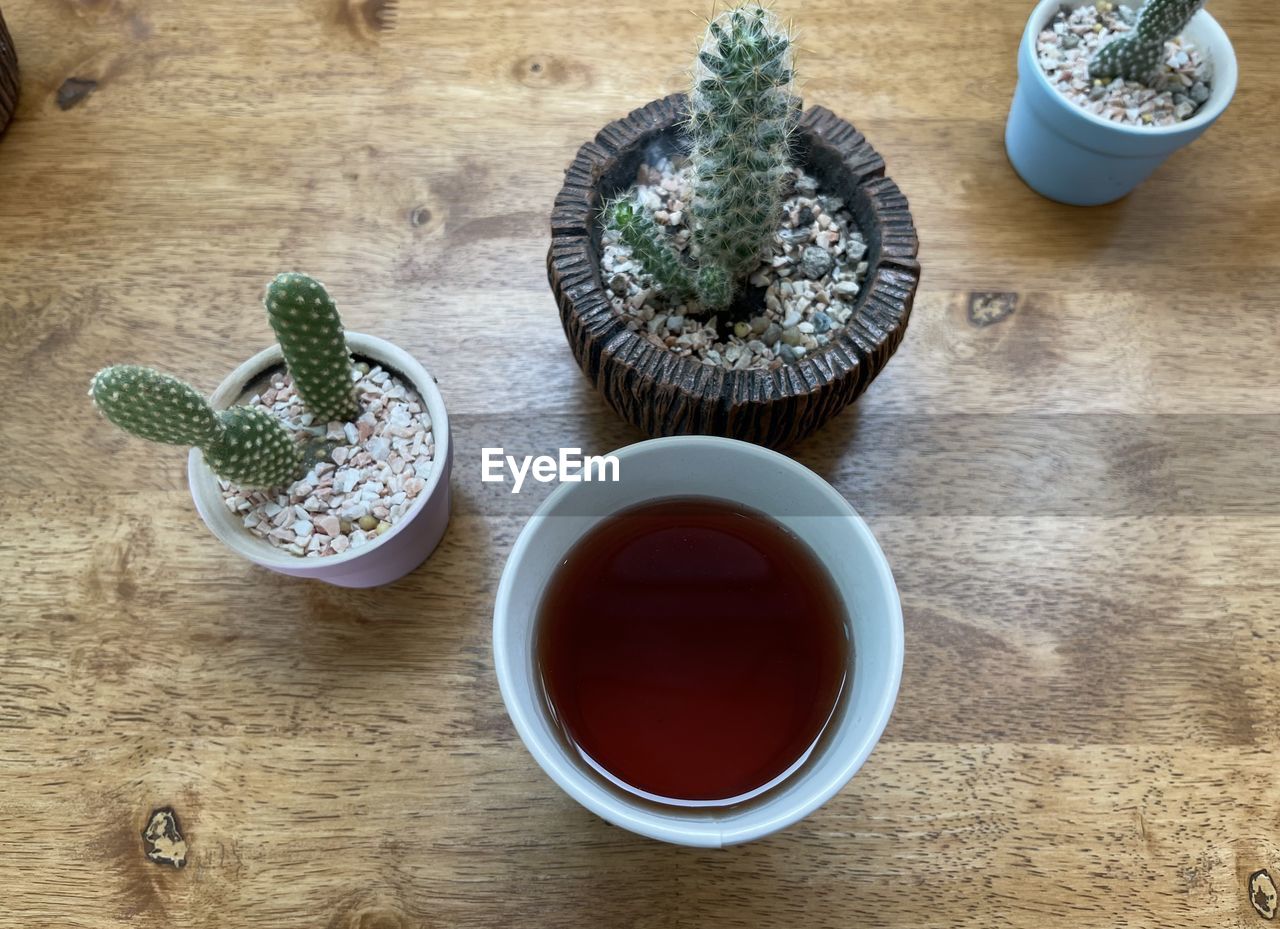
(388, 557)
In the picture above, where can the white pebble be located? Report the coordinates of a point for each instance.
(354, 510)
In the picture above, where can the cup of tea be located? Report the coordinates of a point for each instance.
(704, 650)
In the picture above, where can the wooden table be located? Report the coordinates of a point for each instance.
(1075, 480)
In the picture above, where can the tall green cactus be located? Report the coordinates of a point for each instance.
(1137, 56)
(740, 121)
(243, 444)
(309, 331)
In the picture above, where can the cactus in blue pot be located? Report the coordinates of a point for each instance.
(1137, 56)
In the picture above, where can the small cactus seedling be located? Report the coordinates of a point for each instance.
(309, 331)
(245, 445)
(242, 444)
(741, 116)
(649, 246)
(1137, 56)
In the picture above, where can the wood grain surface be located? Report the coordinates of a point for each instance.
(1070, 462)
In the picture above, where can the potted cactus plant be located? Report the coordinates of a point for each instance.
(1106, 93)
(726, 262)
(306, 460)
(9, 81)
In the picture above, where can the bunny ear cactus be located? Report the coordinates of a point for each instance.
(243, 444)
(1136, 57)
(740, 122)
(310, 334)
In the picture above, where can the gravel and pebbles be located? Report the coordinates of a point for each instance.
(811, 272)
(1067, 44)
(377, 467)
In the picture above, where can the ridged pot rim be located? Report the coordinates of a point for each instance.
(10, 76)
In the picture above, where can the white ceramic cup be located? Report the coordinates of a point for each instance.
(792, 495)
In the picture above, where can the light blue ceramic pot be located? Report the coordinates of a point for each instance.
(1068, 154)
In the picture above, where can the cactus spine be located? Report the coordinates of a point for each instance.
(243, 444)
(740, 123)
(310, 334)
(1136, 57)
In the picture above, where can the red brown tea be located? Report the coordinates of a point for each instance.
(692, 651)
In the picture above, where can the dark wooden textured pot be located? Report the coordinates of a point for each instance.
(665, 394)
(8, 76)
